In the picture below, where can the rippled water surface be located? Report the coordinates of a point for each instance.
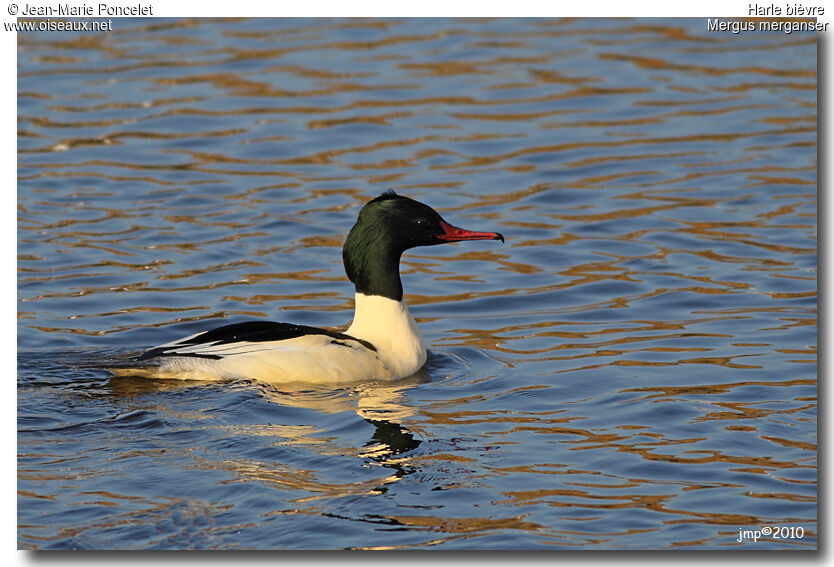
(635, 368)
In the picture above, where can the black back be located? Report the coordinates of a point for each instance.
(248, 331)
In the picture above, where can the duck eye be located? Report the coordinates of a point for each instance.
(421, 222)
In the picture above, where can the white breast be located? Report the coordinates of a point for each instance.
(389, 326)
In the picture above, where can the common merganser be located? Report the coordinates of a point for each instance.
(383, 342)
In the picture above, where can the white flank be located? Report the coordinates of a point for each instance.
(385, 323)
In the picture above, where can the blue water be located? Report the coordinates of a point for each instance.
(635, 368)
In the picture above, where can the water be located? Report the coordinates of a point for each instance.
(634, 369)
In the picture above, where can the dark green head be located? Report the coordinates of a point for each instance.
(388, 226)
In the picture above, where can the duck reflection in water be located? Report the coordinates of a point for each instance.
(380, 404)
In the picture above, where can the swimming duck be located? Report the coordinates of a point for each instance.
(382, 342)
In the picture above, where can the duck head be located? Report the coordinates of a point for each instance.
(388, 226)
